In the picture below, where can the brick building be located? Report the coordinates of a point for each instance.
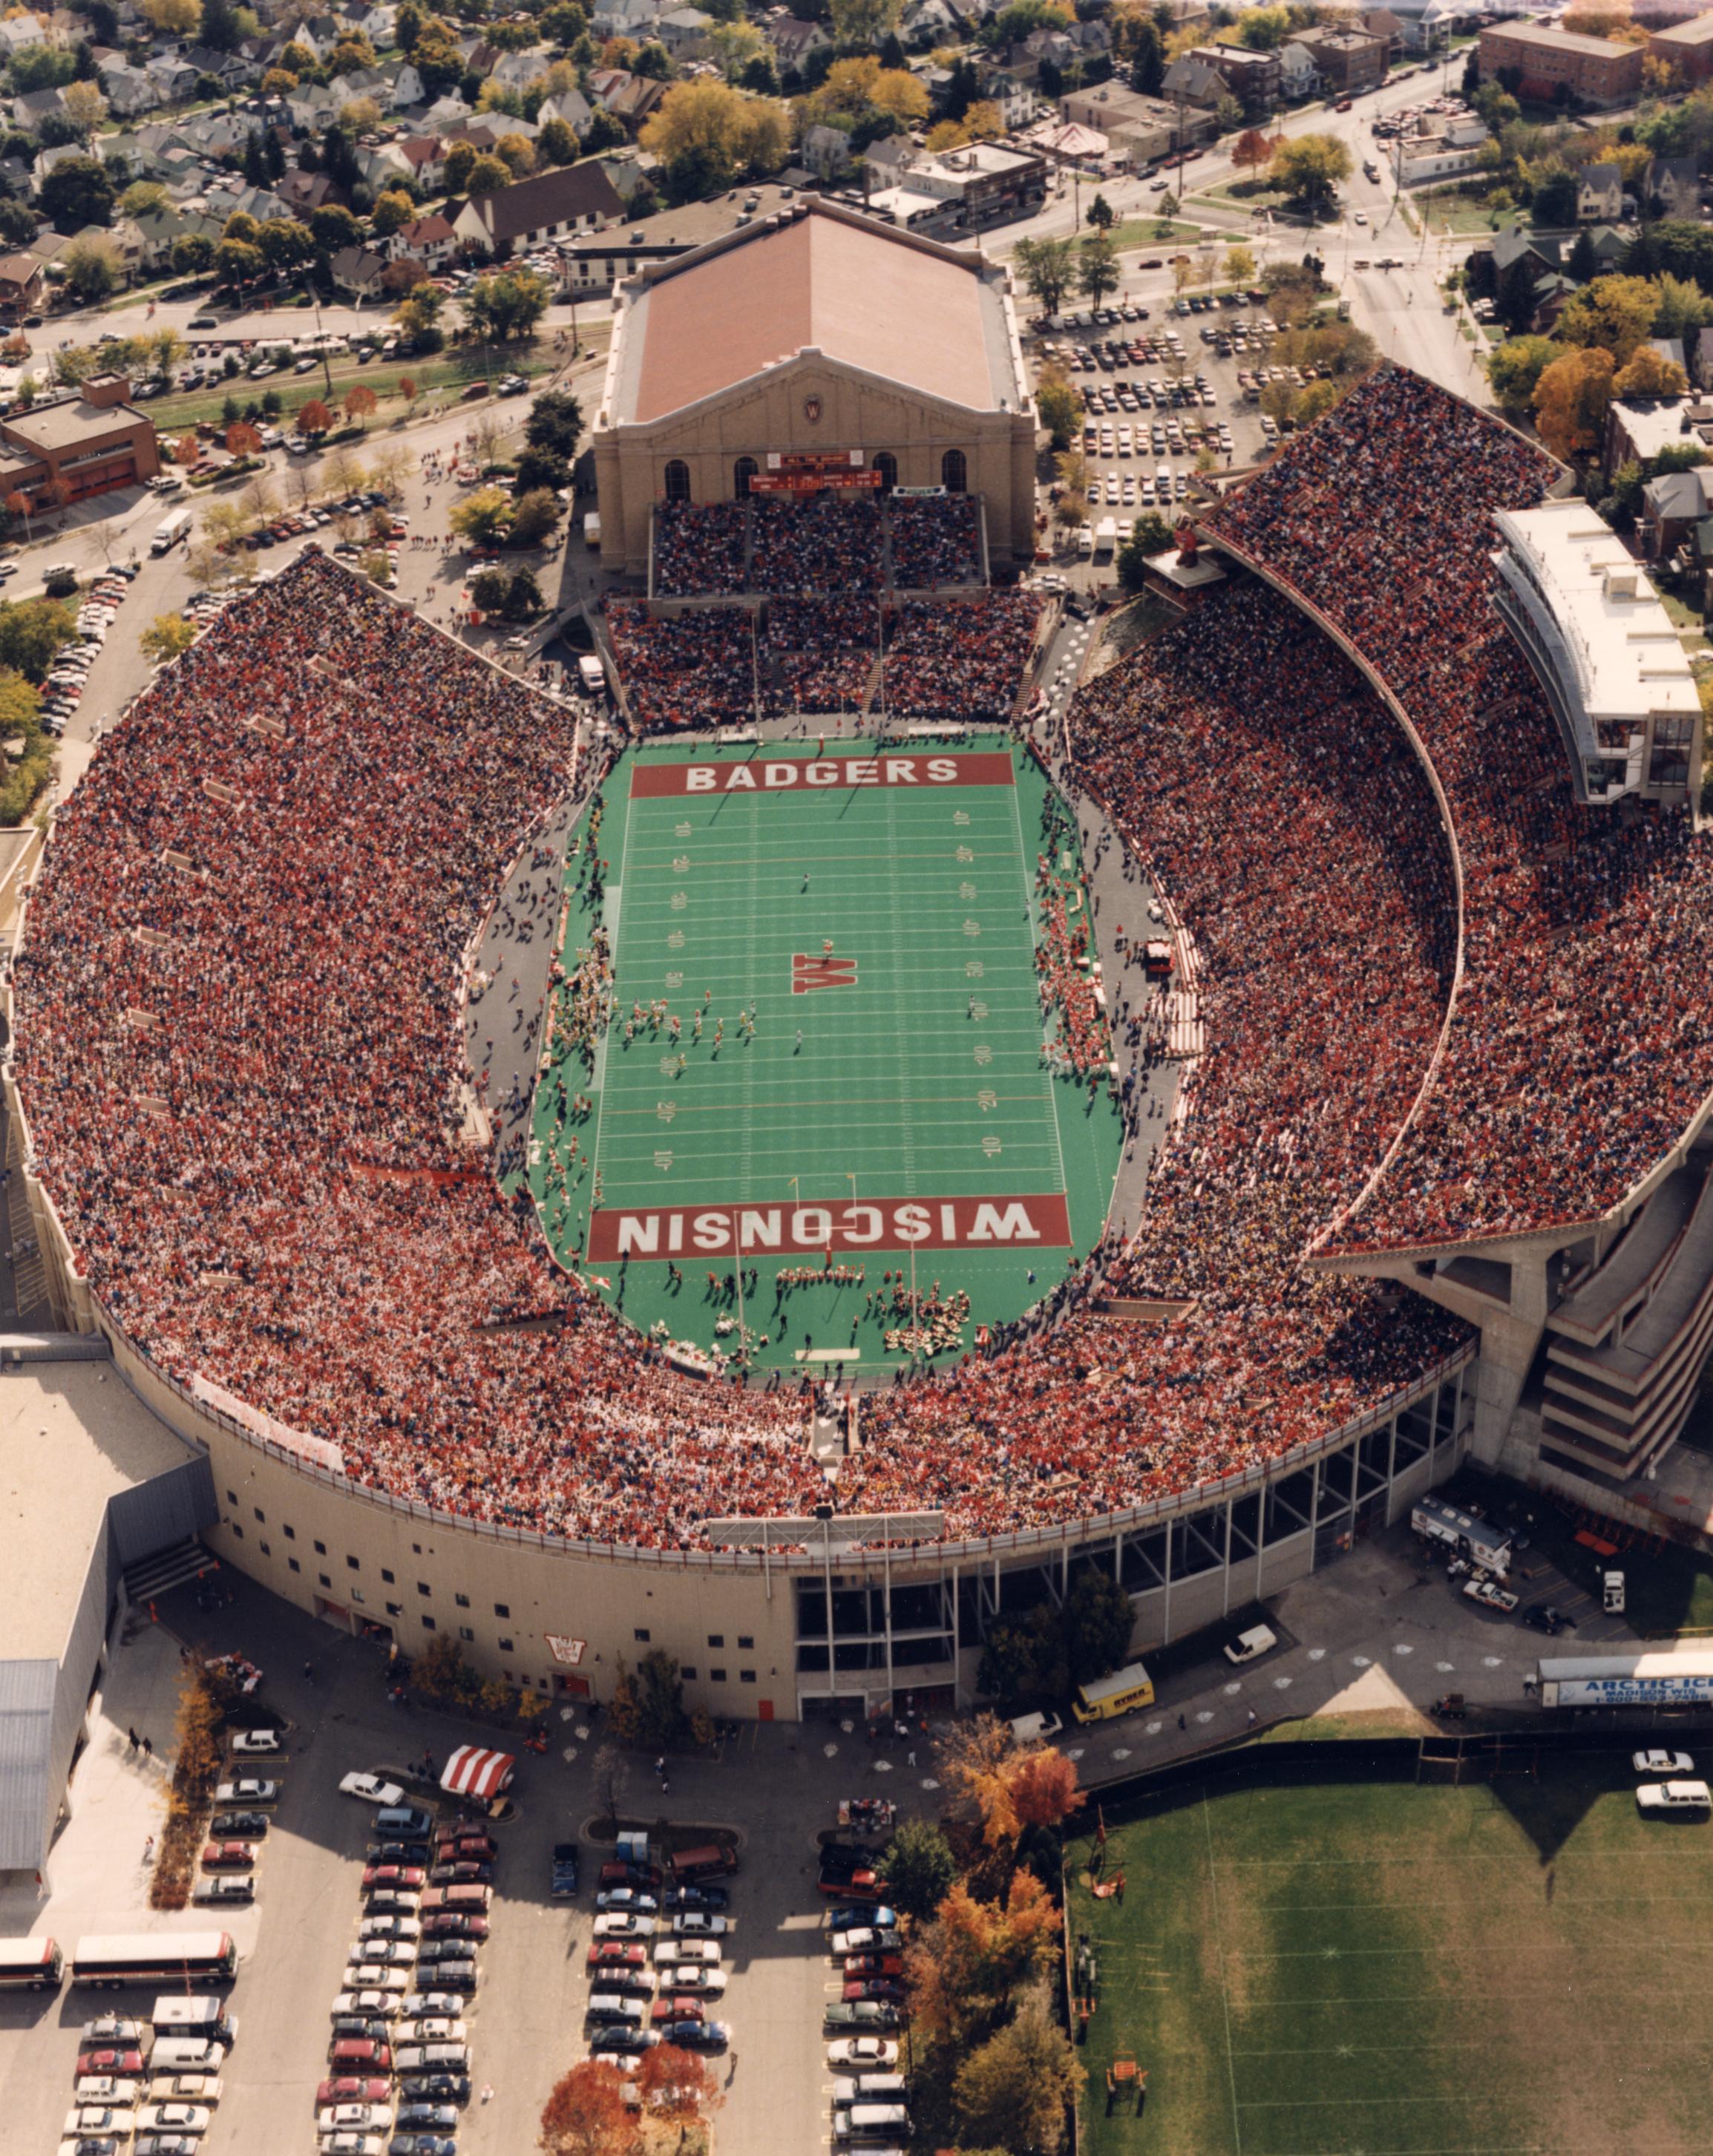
(1687, 47)
(94, 443)
(1550, 65)
(1348, 61)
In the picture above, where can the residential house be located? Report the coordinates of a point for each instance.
(1424, 25)
(1673, 504)
(378, 23)
(419, 158)
(359, 271)
(230, 70)
(1599, 194)
(1381, 22)
(32, 106)
(409, 89)
(887, 160)
(1016, 101)
(1561, 66)
(555, 205)
(304, 192)
(1253, 78)
(311, 105)
(927, 23)
(684, 31)
(1195, 81)
(1700, 359)
(176, 79)
(793, 41)
(1672, 188)
(1348, 61)
(1553, 294)
(518, 71)
(625, 19)
(630, 98)
(159, 231)
(825, 151)
(571, 107)
(18, 33)
(1143, 129)
(319, 32)
(21, 280)
(1298, 75)
(430, 239)
(1638, 429)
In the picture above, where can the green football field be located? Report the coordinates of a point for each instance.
(1388, 1970)
(856, 1085)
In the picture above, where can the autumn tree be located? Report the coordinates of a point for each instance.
(1614, 313)
(360, 401)
(1014, 2092)
(1097, 270)
(1516, 366)
(1310, 166)
(677, 2085)
(706, 135)
(919, 1868)
(965, 1966)
(167, 635)
(1570, 402)
(587, 2114)
(242, 439)
(1649, 373)
(1056, 404)
(1048, 268)
(313, 418)
(1251, 150)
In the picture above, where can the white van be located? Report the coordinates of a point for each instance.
(187, 2055)
(870, 2088)
(1247, 1646)
(1035, 1728)
(1673, 1797)
(871, 2121)
(197, 2016)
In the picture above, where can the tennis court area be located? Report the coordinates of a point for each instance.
(1513, 1969)
(825, 1054)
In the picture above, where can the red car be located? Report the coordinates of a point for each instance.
(455, 1924)
(450, 1848)
(874, 1965)
(229, 1857)
(874, 1987)
(679, 2009)
(115, 2062)
(393, 1875)
(354, 2088)
(462, 1875)
(614, 1953)
(645, 1875)
(366, 2053)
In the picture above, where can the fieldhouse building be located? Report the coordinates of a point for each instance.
(815, 332)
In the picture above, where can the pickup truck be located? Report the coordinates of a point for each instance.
(1490, 1595)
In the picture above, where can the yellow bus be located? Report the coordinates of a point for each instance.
(1121, 1693)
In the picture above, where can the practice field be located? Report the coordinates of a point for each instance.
(1387, 1969)
(826, 1048)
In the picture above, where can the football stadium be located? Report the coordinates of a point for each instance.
(668, 1185)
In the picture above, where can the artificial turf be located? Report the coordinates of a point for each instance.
(1395, 1969)
(920, 1080)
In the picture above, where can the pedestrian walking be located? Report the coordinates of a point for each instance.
(148, 1849)
(148, 1748)
(911, 1758)
(133, 1740)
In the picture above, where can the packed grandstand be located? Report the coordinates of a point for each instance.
(238, 1047)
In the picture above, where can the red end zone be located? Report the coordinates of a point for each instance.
(801, 774)
(885, 1223)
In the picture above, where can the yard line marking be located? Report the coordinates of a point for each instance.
(1023, 858)
(1224, 1995)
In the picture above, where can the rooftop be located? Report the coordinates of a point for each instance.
(820, 279)
(1697, 31)
(1558, 41)
(72, 1436)
(59, 426)
(1629, 657)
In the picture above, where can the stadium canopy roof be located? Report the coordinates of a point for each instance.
(815, 278)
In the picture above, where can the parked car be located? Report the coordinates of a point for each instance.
(234, 1886)
(1663, 1762)
(866, 1938)
(867, 2014)
(626, 1924)
(229, 1856)
(392, 1875)
(110, 2059)
(371, 1790)
(435, 2088)
(175, 2118)
(694, 1976)
(248, 1793)
(613, 1953)
(627, 1898)
(372, 2115)
(565, 1870)
(456, 1924)
(699, 2035)
(1688, 1798)
(697, 1924)
(354, 2088)
(876, 2051)
(249, 1826)
(247, 1744)
(675, 1950)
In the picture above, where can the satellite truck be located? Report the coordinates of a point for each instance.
(1462, 1534)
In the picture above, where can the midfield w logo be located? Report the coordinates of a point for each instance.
(807, 974)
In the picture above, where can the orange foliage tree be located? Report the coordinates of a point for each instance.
(587, 2114)
(965, 1967)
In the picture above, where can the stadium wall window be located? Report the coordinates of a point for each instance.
(716, 1676)
(746, 1677)
(231, 1496)
(290, 1533)
(686, 1674)
(677, 481)
(395, 1609)
(641, 1634)
(423, 1588)
(502, 1608)
(292, 1565)
(427, 1624)
(742, 472)
(260, 1515)
(743, 1643)
(321, 1549)
(352, 1564)
(466, 1633)
(716, 1639)
(236, 1529)
(264, 1548)
(462, 1600)
(416, 1549)
(507, 1648)
(323, 1579)
(954, 472)
(887, 465)
(386, 1575)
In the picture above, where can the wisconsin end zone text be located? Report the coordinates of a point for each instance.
(881, 1223)
(789, 774)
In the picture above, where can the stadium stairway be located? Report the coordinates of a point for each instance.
(167, 1569)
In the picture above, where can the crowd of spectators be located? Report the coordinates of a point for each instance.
(962, 660)
(700, 547)
(249, 1121)
(1581, 1040)
(816, 544)
(822, 652)
(936, 541)
(695, 668)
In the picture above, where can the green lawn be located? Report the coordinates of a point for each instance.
(1403, 1970)
(917, 1081)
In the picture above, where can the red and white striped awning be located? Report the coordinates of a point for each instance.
(472, 1772)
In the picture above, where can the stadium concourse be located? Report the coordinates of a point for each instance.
(236, 1017)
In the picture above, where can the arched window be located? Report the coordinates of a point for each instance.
(887, 465)
(678, 480)
(742, 472)
(954, 472)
